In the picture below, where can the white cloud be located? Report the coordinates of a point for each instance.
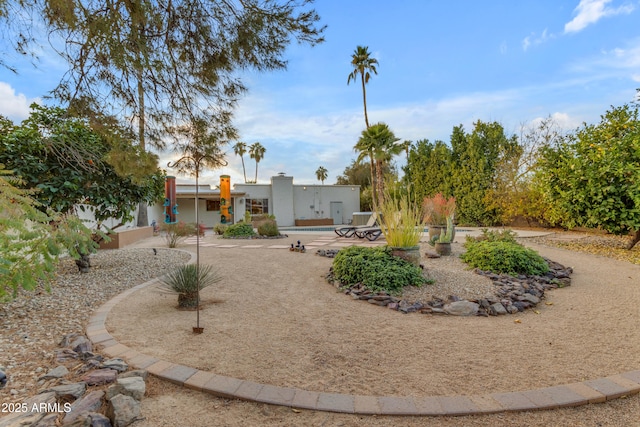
(534, 40)
(591, 11)
(14, 106)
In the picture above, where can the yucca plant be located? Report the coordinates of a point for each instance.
(184, 282)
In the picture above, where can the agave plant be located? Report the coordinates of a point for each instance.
(184, 282)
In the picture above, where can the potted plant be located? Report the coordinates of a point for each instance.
(184, 281)
(437, 210)
(401, 223)
(442, 242)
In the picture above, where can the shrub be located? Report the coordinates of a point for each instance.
(184, 282)
(268, 228)
(495, 236)
(376, 269)
(504, 257)
(220, 228)
(175, 233)
(239, 229)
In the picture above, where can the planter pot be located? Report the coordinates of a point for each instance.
(411, 254)
(436, 230)
(443, 249)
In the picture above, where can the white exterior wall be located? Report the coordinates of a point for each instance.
(313, 201)
(282, 194)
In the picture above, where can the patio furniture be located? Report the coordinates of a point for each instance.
(349, 231)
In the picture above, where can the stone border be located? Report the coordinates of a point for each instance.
(574, 394)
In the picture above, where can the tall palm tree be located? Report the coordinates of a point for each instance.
(256, 152)
(363, 64)
(240, 149)
(322, 174)
(378, 143)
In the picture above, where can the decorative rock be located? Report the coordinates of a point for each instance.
(135, 373)
(76, 342)
(101, 376)
(498, 308)
(47, 420)
(461, 308)
(117, 364)
(131, 386)
(123, 410)
(57, 372)
(3, 377)
(530, 298)
(74, 390)
(91, 402)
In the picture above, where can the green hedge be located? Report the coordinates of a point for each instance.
(239, 229)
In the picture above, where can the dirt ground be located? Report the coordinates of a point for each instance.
(274, 319)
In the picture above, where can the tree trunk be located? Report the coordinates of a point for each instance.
(634, 240)
(364, 100)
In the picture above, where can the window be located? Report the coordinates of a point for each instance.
(258, 206)
(213, 205)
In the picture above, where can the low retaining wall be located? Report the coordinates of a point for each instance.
(313, 222)
(122, 238)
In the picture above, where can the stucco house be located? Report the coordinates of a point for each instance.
(290, 203)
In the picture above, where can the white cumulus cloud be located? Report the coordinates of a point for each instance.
(14, 106)
(591, 11)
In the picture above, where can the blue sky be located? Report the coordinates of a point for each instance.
(441, 64)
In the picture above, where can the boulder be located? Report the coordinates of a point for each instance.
(131, 386)
(123, 410)
(461, 308)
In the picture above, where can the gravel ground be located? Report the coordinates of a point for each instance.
(34, 323)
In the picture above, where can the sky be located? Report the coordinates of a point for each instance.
(440, 65)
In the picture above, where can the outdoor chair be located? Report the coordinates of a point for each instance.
(350, 230)
(369, 233)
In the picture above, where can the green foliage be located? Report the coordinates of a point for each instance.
(186, 280)
(494, 236)
(268, 228)
(378, 144)
(239, 230)
(220, 228)
(592, 178)
(376, 269)
(69, 163)
(428, 169)
(175, 233)
(474, 161)
(33, 238)
(500, 256)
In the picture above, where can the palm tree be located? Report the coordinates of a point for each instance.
(378, 143)
(363, 64)
(406, 147)
(321, 174)
(240, 149)
(256, 152)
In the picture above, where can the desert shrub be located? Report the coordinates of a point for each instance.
(175, 233)
(268, 228)
(376, 269)
(495, 236)
(238, 230)
(184, 282)
(504, 257)
(220, 228)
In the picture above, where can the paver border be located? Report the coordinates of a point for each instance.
(575, 394)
